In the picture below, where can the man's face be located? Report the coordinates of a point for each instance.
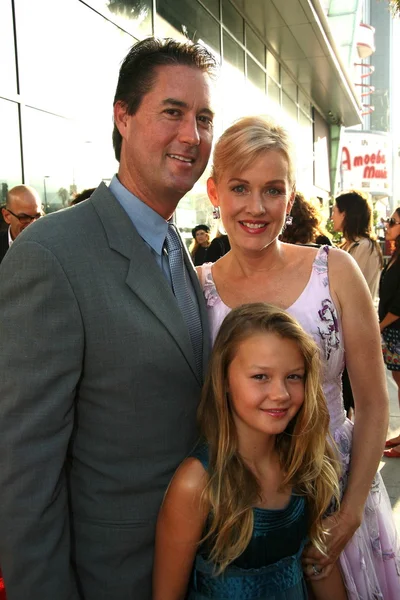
(167, 142)
(25, 204)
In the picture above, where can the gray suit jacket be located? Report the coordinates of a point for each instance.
(98, 396)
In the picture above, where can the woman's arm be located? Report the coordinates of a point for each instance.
(367, 376)
(388, 320)
(180, 526)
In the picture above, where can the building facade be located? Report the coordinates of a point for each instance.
(60, 63)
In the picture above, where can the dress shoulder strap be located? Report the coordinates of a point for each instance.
(320, 264)
(201, 453)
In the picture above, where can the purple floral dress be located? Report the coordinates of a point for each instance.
(371, 560)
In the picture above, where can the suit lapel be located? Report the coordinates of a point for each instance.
(144, 277)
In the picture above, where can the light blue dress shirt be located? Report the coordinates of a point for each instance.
(151, 226)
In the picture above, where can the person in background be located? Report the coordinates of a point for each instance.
(305, 227)
(84, 195)
(103, 348)
(219, 245)
(238, 512)
(201, 241)
(23, 207)
(253, 183)
(389, 316)
(352, 216)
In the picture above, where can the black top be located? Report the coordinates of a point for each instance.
(200, 257)
(389, 293)
(218, 247)
(3, 244)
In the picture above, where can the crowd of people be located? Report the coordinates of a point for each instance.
(173, 426)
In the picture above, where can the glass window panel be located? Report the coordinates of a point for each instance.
(8, 78)
(232, 20)
(212, 5)
(304, 103)
(190, 19)
(232, 84)
(76, 76)
(274, 92)
(273, 67)
(289, 107)
(233, 53)
(48, 156)
(289, 86)
(10, 151)
(255, 45)
(255, 74)
(135, 16)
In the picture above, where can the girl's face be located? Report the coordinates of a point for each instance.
(265, 385)
(254, 202)
(337, 218)
(202, 237)
(393, 227)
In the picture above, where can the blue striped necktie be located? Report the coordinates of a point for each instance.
(180, 286)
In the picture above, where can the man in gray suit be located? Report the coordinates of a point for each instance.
(100, 374)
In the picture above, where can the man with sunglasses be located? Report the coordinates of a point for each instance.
(23, 206)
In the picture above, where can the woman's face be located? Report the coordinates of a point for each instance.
(201, 237)
(254, 202)
(337, 218)
(393, 227)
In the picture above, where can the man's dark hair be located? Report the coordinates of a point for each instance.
(137, 73)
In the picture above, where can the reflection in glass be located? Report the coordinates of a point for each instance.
(189, 19)
(71, 73)
(255, 45)
(232, 20)
(10, 152)
(304, 103)
(48, 155)
(8, 75)
(132, 15)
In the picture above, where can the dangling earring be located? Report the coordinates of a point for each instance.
(288, 220)
(216, 213)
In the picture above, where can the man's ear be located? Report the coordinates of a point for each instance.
(212, 191)
(121, 116)
(6, 216)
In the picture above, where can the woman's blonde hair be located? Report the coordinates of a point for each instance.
(246, 140)
(307, 459)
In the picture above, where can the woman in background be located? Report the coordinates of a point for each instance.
(305, 227)
(352, 216)
(389, 316)
(201, 241)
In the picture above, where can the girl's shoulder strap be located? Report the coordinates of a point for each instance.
(320, 264)
(201, 453)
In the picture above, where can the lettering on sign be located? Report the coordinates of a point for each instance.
(368, 161)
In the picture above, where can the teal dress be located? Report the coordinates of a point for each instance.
(270, 567)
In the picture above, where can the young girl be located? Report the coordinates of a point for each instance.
(238, 512)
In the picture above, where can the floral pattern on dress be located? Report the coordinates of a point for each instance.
(210, 291)
(328, 327)
(320, 264)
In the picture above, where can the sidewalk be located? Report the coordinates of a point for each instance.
(390, 467)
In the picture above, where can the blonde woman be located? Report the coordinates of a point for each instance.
(238, 512)
(253, 185)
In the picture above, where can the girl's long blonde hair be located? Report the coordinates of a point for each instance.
(307, 458)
